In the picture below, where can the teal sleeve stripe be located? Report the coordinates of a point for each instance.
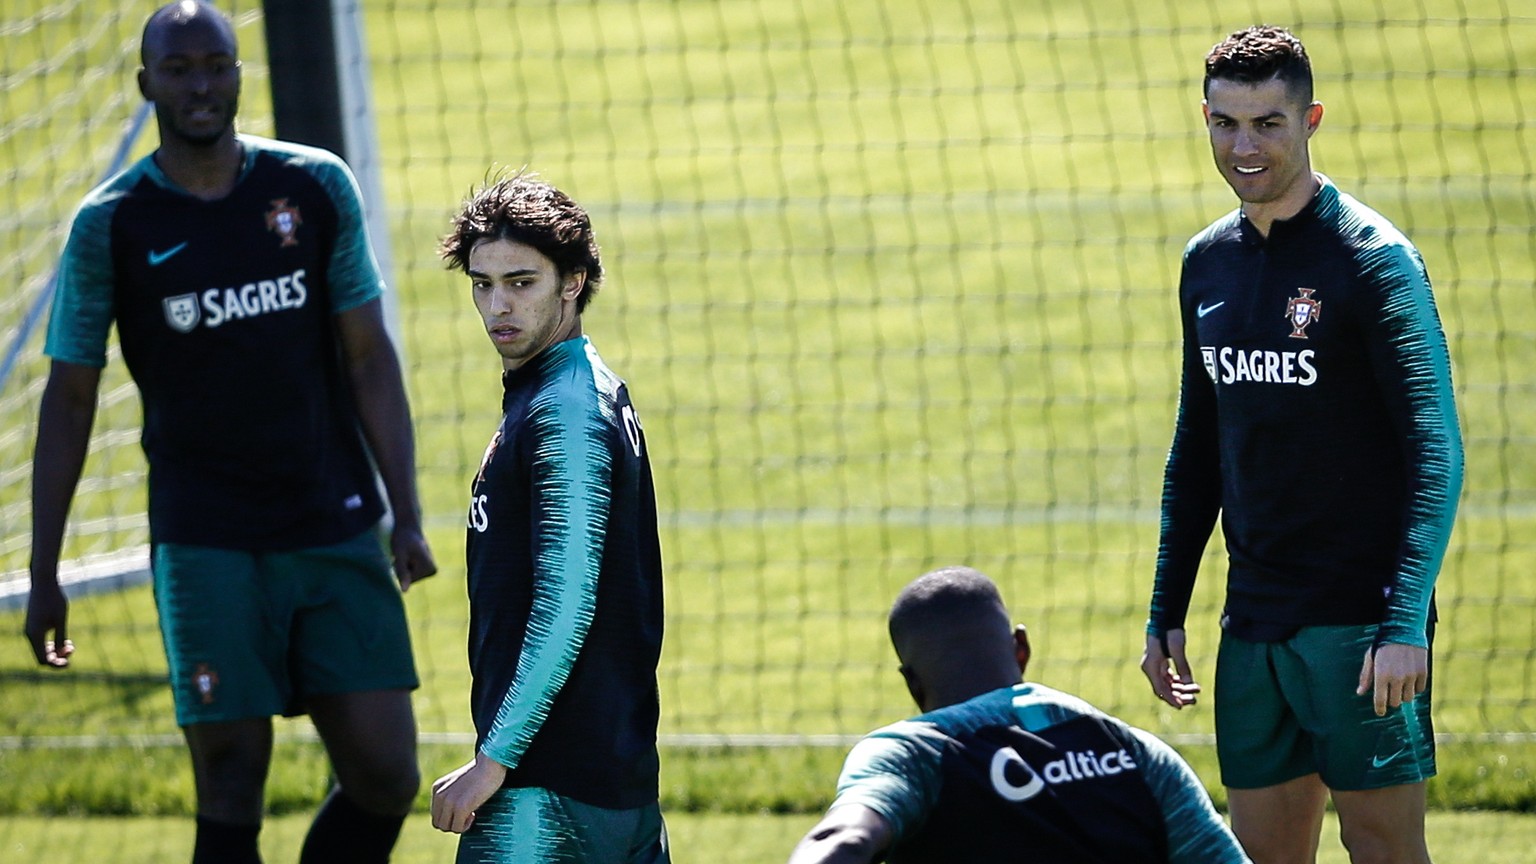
(1196, 832)
(1417, 355)
(895, 772)
(81, 316)
(572, 467)
(353, 274)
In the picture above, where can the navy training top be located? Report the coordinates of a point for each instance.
(224, 311)
(565, 592)
(1316, 415)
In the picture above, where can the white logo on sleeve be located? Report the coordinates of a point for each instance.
(631, 427)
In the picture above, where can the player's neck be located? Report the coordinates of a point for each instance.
(207, 172)
(963, 687)
(1264, 216)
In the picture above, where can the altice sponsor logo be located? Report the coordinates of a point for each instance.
(1072, 767)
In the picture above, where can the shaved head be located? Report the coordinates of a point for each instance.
(954, 637)
(183, 13)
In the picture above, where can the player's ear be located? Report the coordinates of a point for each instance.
(1314, 117)
(142, 90)
(574, 282)
(1021, 646)
(914, 686)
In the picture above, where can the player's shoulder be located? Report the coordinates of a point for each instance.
(291, 152)
(325, 167)
(111, 192)
(1226, 229)
(1037, 707)
(573, 370)
(1359, 225)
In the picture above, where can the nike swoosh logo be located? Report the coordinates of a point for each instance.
(1377, 761)
(158, 258)
(1206, 310)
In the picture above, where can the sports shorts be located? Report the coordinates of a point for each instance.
(252, 634)
(530, 825)
(1288, 709)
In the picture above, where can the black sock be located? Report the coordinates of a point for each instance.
(343, 831)
(224, 843)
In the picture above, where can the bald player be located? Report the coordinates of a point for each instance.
(247, 303)
(998, 770)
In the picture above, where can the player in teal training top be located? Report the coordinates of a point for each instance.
(996, 770)
(564, 561)
(246, 299)
(1316, 417)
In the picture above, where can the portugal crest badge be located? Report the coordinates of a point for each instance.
(284, 221)
(1302, 311)
(485, 461)
(181, 312)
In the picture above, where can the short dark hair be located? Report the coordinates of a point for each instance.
(962, 596)
(1259, 54)
(525, 209)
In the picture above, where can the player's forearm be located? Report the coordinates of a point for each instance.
(63, 439)
(385, 416)
(558, 623)
(849, 834)
(1187, 521)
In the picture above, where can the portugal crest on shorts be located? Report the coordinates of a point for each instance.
(205, 679)
(181, 312)
(284, 221)
(1302, 311)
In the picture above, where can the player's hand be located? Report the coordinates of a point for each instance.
(48, 612)
(456, 796)
(1396, 673)
(1176, 687)
(413, 558)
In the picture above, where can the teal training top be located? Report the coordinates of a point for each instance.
(1027, 773)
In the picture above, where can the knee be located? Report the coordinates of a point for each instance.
(1366, 845)
(383, 788)
(230, 776)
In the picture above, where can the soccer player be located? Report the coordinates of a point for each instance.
(564, 561)
(246, 298)
(1316, 416)
(997, 770)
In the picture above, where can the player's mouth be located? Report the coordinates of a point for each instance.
(502, 335)
(1248, 170)
(202, 114)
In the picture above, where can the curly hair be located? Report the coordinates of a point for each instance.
(525, 209)
(1259, 54)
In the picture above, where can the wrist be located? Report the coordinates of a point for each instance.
(490, 765)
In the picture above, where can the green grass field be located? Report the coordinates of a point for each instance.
(709, 838)
(893, 287)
